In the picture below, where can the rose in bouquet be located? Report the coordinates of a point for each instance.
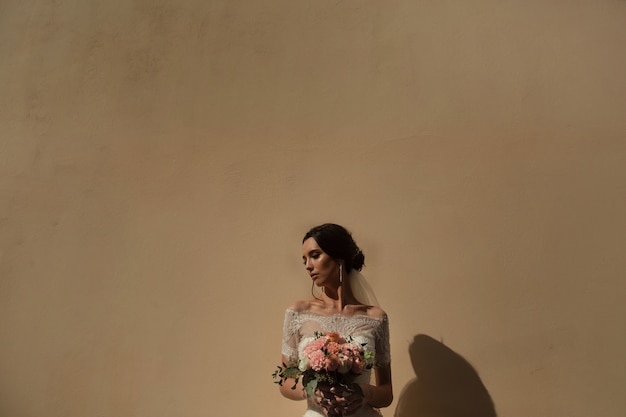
(328, 359)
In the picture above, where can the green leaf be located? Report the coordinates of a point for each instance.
(310, 388)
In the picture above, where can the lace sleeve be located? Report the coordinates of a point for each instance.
(383, 350)
(290, 335)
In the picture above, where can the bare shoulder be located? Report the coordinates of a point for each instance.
(376, 312)
(300, 305)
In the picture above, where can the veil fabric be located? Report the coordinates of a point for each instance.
(361, 289)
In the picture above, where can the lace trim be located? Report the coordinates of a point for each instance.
(378, 327)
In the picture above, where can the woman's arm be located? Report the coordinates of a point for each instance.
(286, 390)
(381, 394)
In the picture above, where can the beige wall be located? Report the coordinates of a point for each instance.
(160, 161)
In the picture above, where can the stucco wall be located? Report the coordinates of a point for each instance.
(161, 160)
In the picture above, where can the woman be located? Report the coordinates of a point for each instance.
(333, 261)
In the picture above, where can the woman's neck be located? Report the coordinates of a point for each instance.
(336, 299)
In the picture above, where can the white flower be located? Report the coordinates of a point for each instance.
(304, 363)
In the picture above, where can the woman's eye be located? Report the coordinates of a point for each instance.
(311, 256)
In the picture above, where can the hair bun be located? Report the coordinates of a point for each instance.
(358, 260)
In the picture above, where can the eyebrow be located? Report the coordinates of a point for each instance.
(310, 252)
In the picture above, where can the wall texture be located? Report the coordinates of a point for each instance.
(160, 161)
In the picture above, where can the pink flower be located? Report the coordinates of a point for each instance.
(332, 363)
(351, 349)
(333, 348)
(345, 363)
(331, 352)
(357, 365)
(334, 337)
(317, 344)
(317, 360)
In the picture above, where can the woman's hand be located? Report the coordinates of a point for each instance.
(337, 400)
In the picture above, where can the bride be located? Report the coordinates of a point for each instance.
(346, 306)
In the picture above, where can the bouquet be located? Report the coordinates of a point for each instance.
(328, 359)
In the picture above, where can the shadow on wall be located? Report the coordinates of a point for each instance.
(446, 385)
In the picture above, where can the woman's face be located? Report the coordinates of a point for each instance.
(322, 269)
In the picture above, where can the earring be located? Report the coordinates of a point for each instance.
(340, 274)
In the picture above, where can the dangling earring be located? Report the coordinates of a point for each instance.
(340, 274)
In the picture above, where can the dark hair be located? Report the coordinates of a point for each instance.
(337, 242)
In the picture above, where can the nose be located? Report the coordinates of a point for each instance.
(308, 265)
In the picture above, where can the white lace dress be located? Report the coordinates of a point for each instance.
(300, 327)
